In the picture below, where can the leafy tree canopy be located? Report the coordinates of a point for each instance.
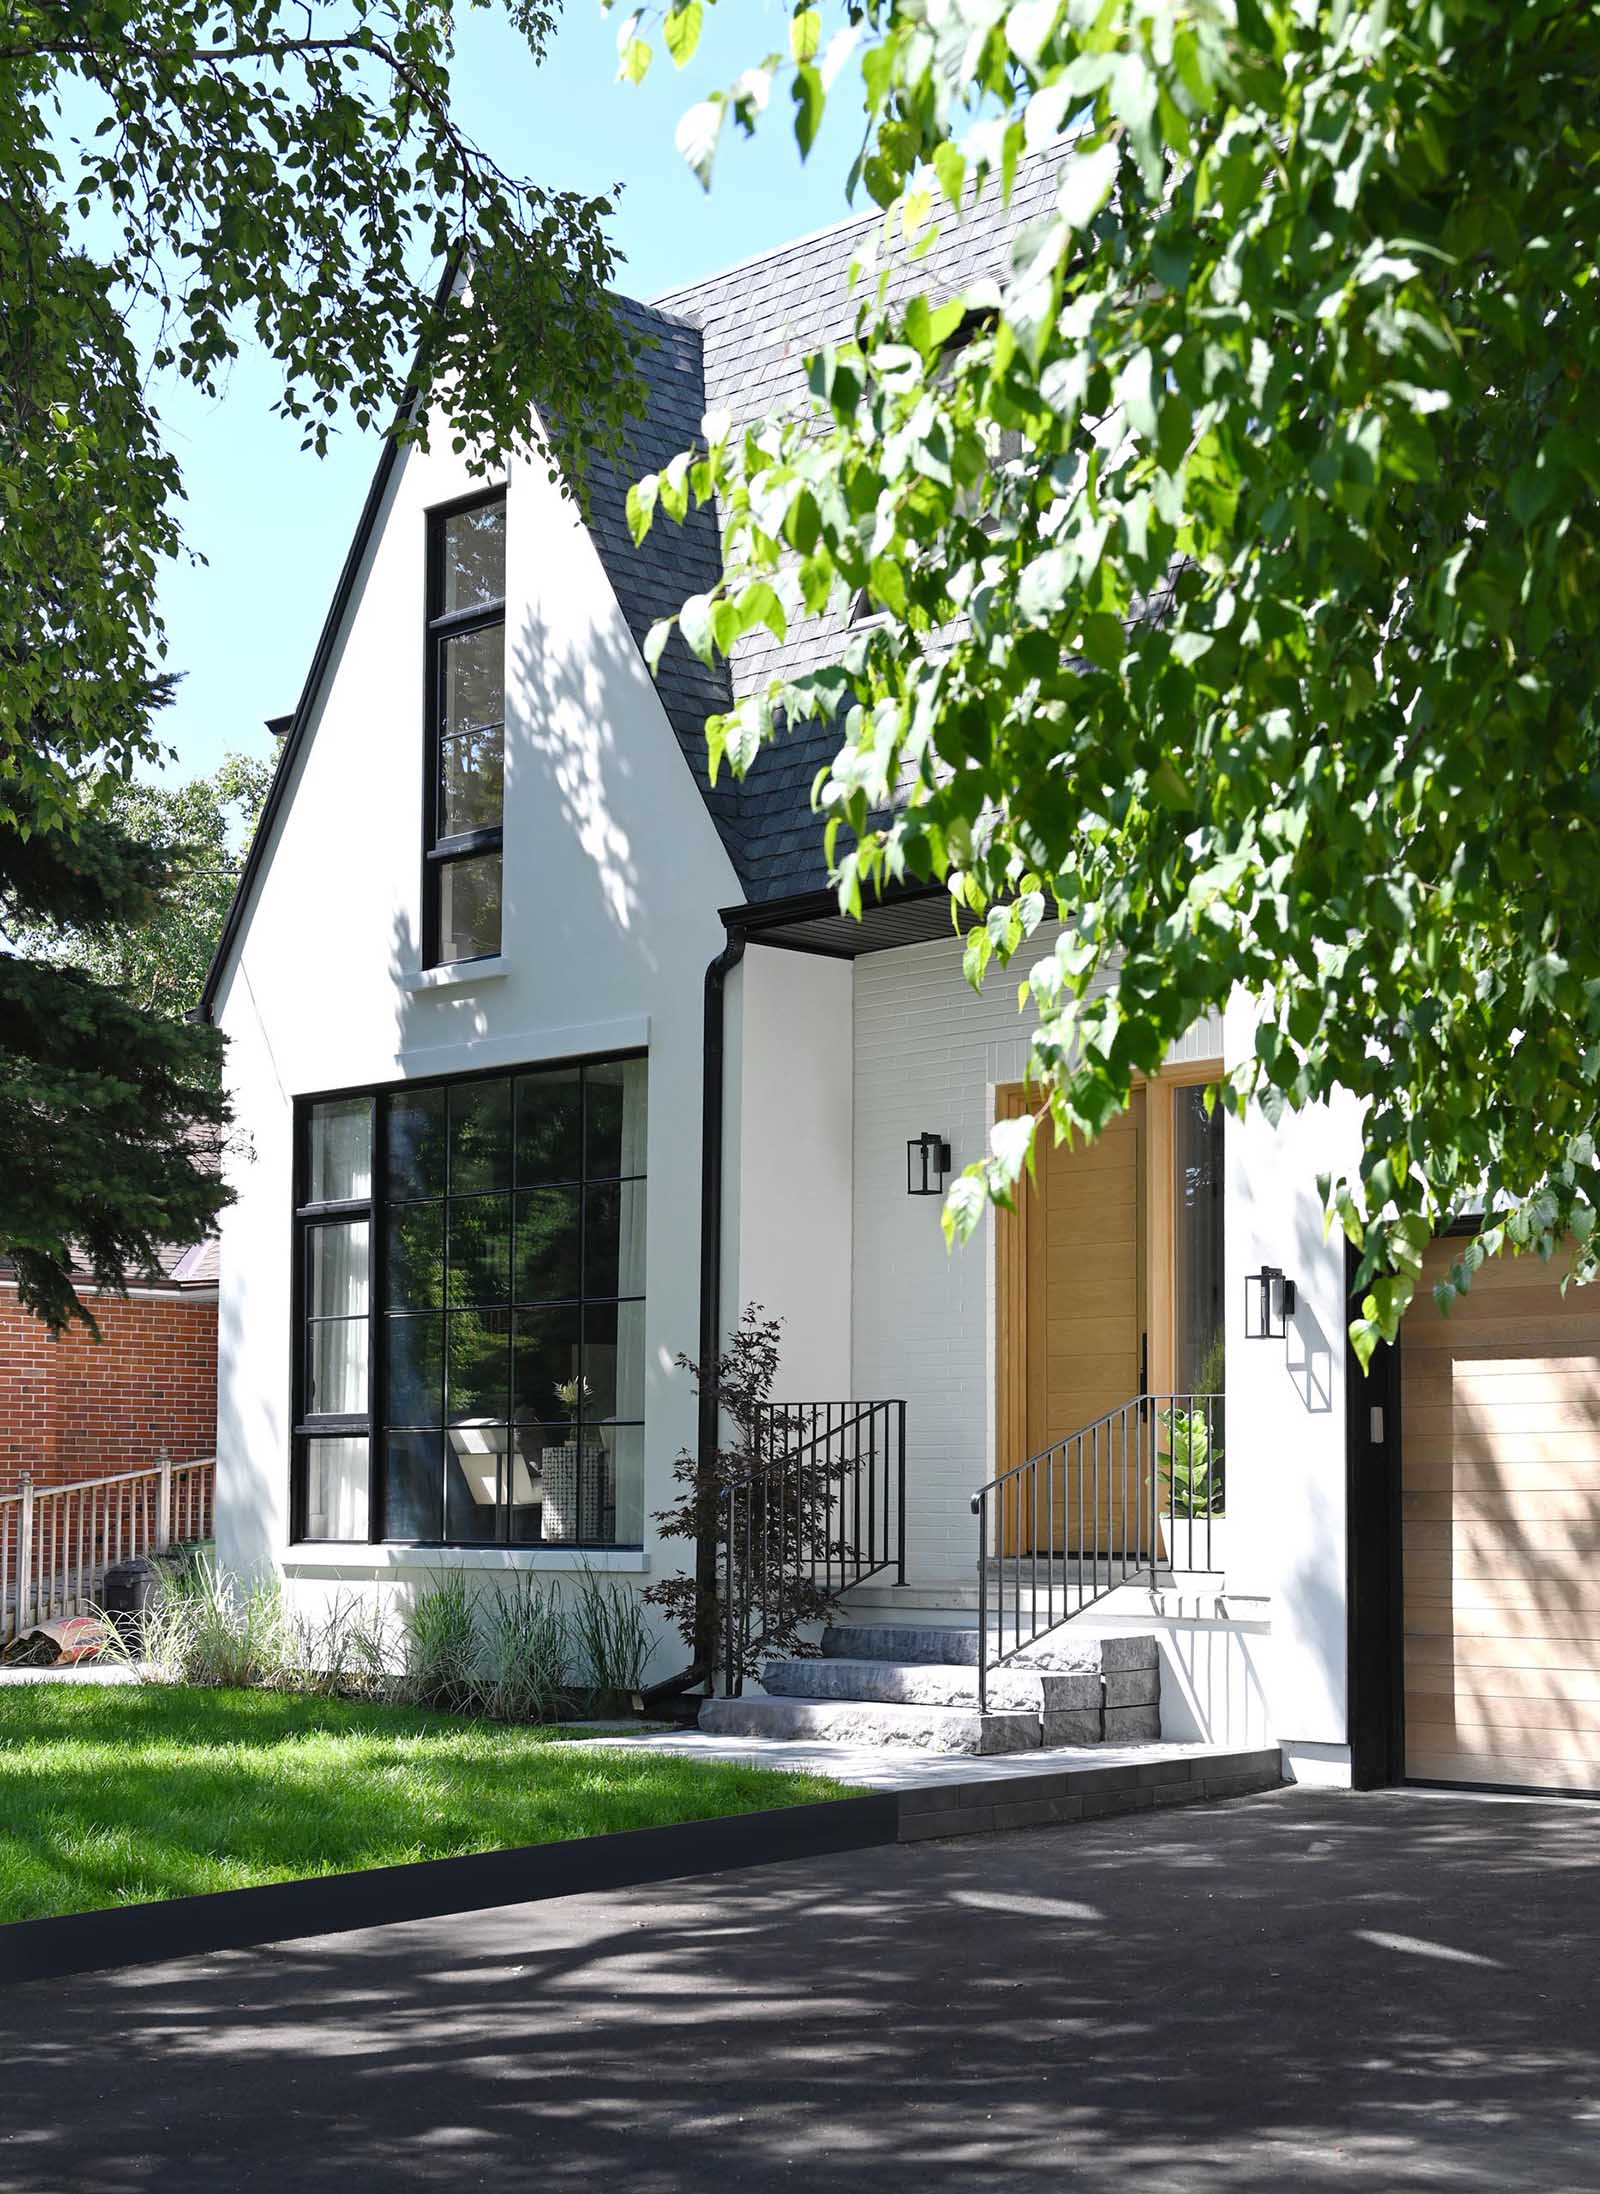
(197, 831)
(111, 1116)
(177, 177)
(1271, 664)
(277, 169)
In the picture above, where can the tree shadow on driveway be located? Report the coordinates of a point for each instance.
(1387, 1992)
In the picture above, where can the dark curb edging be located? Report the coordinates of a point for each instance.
(427, 1889)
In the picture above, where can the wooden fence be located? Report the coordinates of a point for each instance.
(57, 1542)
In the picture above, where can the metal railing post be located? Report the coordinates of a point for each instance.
(163, 1501)
(982, 1506)
(900, 1499)
(25, 1552)
(1148, 1413)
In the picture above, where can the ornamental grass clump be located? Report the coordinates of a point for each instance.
(612, 1640)
(527, 1646)
(443, 1659)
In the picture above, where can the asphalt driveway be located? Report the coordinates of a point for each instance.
(1299, 1991)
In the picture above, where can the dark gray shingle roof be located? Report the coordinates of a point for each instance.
(738, 342)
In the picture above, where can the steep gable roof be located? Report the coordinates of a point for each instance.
(737, 342)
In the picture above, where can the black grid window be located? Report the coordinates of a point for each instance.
(505, 1232)
(463, 795)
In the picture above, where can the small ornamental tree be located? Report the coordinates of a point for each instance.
(767, 1500)
(1305, 348)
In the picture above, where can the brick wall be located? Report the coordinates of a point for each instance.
(81, 1408)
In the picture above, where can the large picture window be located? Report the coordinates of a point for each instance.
(466, 732)
(471, 1258)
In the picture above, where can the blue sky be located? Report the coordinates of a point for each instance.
(274, 524)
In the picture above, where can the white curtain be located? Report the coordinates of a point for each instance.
(336, 1489)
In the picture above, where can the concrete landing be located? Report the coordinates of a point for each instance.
(1109, 1766)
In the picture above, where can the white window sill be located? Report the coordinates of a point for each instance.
(459, 975)
(422, 1561)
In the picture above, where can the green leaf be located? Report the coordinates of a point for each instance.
(655, 641)
(641, 506)
(809, 101)
(681, 30)
(1043, 586)
(695, 623)
(951, 170)
(697, 134)
(1086, 184)
(805, 34)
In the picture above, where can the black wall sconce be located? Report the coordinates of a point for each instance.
(1269, 1301)
(927, 1163)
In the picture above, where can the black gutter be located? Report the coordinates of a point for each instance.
(713, 1110)
(743, 924)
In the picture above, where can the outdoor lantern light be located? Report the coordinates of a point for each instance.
(1269, 1301)
(927, 1163)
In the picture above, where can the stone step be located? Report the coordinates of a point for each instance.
(933, 1683)
(1065, 1651)
(872, 1722)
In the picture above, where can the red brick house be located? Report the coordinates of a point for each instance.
(75, 1407)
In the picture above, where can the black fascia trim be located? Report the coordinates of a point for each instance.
(327, 640)
(750, 918)
(295, 735)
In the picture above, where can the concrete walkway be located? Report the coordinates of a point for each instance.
(904, 1767)
(1300, 1992)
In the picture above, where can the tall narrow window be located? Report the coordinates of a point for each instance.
(466, 731)
(334, 1234)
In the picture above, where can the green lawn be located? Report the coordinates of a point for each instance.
(114, 1796)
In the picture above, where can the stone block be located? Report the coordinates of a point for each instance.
(1134, 1687)
(1073, 1727)
(1128, 1725)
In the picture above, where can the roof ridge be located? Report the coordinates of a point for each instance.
(760, 258)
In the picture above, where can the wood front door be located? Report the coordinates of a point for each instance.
(1109, 1284)
(1072, 1330)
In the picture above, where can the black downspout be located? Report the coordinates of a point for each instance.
(711, 1149)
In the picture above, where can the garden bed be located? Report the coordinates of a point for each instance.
(133, 1794)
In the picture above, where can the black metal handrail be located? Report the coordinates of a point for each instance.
(821, 1507)
(1095, 1501)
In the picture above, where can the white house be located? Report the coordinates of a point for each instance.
(550, 1058)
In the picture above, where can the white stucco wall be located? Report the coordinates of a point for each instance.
(613, 875)
(1286, 1409)
(929, 1054)
(789, 1161)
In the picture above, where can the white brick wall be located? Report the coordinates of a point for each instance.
(929, 1052)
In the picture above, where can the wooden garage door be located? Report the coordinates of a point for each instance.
(1501, 1496)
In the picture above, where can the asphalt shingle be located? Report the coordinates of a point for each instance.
(737, 342)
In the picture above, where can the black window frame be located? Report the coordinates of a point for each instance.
(440, 852)
(375, 1208)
